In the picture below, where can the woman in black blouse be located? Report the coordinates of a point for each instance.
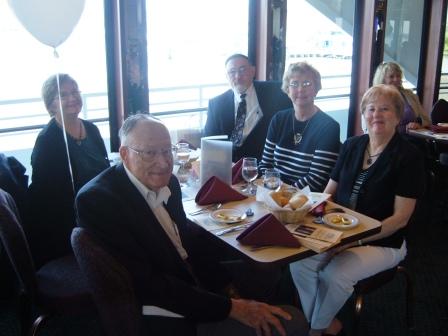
(55, 182)
(378, 174)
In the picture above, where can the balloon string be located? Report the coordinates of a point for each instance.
(64, 132)
(56, 55)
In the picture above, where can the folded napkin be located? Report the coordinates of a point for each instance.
(267, 231)
(216, 191)
(237, 169)
(439, 129)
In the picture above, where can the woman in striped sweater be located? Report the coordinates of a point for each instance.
(302, 142)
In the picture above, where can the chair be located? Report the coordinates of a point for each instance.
(110, 284)
(376, 281)
(57, 287)
(439, 112)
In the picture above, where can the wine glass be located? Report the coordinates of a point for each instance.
(271, 179)
(182, 156)
(250, 173)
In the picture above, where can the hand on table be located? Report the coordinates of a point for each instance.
(259, 316)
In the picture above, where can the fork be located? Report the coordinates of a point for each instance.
(211, 207)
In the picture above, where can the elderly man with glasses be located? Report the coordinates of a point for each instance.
(135, 209)
(244, 112)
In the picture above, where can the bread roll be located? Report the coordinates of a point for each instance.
(297, 201)
(281, 197)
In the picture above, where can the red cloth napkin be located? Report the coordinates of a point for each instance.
(319, 210)
(439, 129)
(216, 191)
(267, 231)
(237, 169)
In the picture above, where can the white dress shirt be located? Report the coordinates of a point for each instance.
(253, 111)
(154, 201)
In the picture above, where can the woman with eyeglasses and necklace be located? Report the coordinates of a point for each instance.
(55, 182)
(380, 175)
(302, 142)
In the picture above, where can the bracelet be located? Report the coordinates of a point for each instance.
(360, 242)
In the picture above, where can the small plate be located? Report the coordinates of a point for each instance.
(227, 216)
(341, 221)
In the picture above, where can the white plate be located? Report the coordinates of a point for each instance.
(228, 216)
(331, 220)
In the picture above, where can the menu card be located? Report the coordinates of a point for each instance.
(216, 160)
(315, 238)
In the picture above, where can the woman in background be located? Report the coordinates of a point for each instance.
(414, 116)
(302, 142)
(380, 175)
(52, 189)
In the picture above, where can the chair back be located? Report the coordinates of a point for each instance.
(439, 113)
(110, 284)
(16, 246)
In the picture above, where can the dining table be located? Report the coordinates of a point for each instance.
(366, 227)
(427, 134)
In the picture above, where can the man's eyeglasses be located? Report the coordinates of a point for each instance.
(240, 71)
(304, 84)
(151, 155)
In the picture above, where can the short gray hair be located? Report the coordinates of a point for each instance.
(50, 89)
(130, 123)
(301, 68)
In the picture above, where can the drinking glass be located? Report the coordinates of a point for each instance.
(182, 156)
(250, 173)
(271, 179)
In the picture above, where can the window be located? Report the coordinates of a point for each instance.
(443, 90)
(188, 43)
(27, 63)
(321, 33)
(403, 34)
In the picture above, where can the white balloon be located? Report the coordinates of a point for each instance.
(49, 21)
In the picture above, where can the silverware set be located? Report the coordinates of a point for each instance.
(233, 229)
(211, 207)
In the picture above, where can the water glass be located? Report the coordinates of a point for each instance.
(182, 153)
(271, 179)
(182, 156)
(250, 173)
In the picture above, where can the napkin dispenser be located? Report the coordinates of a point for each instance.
(216, 160)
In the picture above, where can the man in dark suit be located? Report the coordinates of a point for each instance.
(135, 209)
(262, 100)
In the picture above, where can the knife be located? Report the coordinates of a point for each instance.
(232, 229)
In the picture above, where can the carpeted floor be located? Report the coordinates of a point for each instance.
(384, 310)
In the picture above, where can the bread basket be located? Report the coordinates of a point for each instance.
(288, 216)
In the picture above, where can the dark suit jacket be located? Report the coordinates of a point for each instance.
(116, 213)
(221, 117)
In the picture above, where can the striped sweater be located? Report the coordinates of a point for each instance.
(308, 163)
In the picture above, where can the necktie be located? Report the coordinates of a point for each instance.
(237, 133)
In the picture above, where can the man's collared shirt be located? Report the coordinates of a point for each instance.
(155, 202)
(253, 114)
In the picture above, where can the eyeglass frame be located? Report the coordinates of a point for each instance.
(242, 70)
(296, 84)
(165, 152)
(66, 95)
